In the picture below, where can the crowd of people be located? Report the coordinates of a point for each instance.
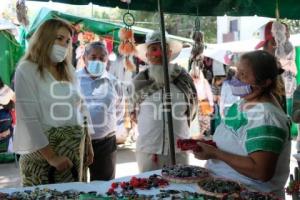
(67, 120)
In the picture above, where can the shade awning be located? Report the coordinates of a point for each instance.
(287, 8)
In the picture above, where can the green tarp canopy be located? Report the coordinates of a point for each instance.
(267, 8)
(97, 26)
(10, 53)
(287, 8)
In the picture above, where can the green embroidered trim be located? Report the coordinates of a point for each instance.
(267, 130)
(264, 144)
(266, 138)
(234, 118)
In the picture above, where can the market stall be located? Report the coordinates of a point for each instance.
(211, 8)
(102, 187)
(149, 185)
(284, 9)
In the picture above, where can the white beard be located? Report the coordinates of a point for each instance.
(156, 72)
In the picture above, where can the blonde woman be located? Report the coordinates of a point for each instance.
(48, 133)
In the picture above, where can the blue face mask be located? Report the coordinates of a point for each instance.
(239, 88)
(96, 67)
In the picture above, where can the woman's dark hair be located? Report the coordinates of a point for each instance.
(265, 67)
(230, 73)
(217, 78)
(1, 83)
(94, 45)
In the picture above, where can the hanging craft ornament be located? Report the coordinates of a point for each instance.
(127, 43)
(21, 10)
(126, 1)
(196, 58)
(279, 30)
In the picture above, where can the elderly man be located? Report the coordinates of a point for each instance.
(104, 99)
(152, 147)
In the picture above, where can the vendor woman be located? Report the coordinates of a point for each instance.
(253, 139)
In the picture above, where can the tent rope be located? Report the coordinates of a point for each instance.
(6, 35)
(277, 11)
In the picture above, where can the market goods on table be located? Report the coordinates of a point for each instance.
(184, 173)
(191, 144)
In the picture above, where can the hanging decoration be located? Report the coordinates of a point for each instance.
(21, 10)
(279, 32)
(127, 43)
(126, 1)
(196, 58)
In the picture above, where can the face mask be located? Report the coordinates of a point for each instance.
(96, 67)
(239, 88)
(58, 53)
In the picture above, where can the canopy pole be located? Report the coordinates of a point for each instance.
(167, 97)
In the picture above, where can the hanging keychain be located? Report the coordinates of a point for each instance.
(127, 43)
(196, 58)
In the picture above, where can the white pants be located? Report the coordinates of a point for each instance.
(146, 163)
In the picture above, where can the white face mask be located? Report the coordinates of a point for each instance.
(96, 67)
(58, 53)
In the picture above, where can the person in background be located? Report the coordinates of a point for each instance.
(205, 102)
(49, 133)
(296, 117)
(253, 145)
(227, 98)
(7, 98)
(152, 146)
(208, 69)
(104, 98)
(216, 90)
(269, 44)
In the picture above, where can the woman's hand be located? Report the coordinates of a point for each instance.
(205, 151)
(90, 156)
(61, 163)
(259, 165)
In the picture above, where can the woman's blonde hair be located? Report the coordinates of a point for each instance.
(40, 47)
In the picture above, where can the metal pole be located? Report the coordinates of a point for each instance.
(167, 99)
